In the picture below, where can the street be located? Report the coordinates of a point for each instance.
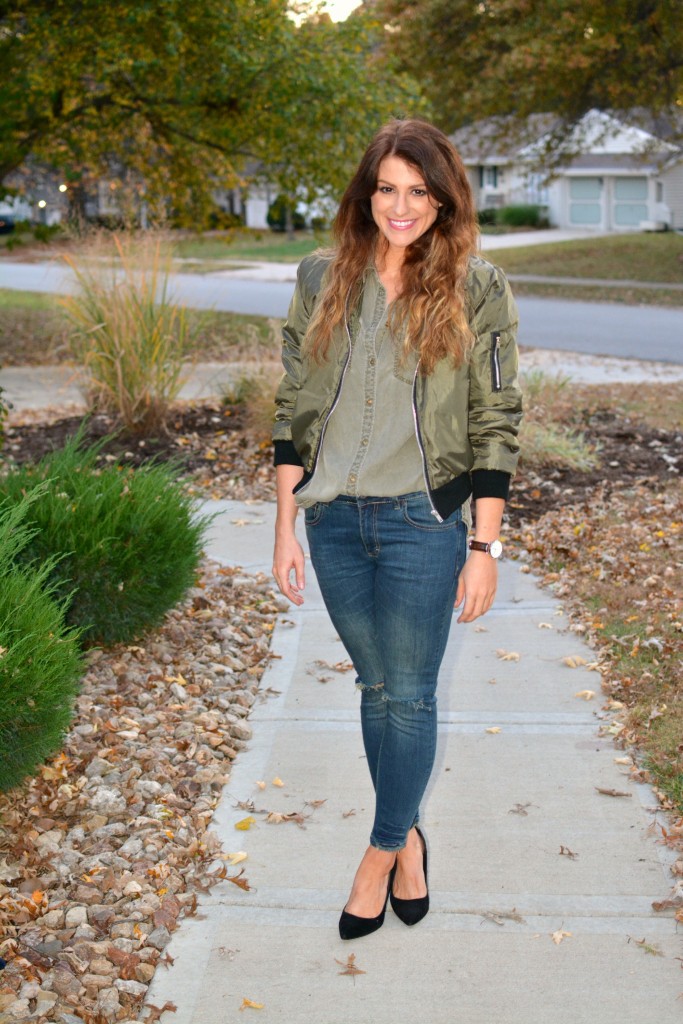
(596, 328)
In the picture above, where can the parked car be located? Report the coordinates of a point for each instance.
(6, 224)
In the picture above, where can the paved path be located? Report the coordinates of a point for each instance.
(501, 808)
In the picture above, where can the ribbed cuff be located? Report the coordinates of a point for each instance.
(286, 454)
(490, 483)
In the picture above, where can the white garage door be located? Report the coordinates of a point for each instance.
(585, 201)
(630, 202)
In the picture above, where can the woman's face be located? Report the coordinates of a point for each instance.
(401, 206)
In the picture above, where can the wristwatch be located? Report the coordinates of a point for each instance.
(494, 549)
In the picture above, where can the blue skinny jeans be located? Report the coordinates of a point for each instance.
(388, 572)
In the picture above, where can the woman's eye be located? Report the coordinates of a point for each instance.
(385, 188)
(420, 191)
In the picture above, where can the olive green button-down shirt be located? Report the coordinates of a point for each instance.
(370, 447)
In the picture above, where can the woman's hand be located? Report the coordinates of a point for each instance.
(477, 585)
(288, 557)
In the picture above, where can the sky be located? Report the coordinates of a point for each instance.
(340, 9)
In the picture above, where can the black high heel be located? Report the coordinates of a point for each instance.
(353, 927)
(412, 911)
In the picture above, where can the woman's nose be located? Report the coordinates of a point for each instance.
(400, 204)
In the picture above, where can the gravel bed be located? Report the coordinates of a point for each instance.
(107, 848)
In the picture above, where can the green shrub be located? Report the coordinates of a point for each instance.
(128, 540)
(45, 232)
(277, 214)
(128, 334)
(554, 445)
(40, 661)
(487, 216)
(520, 216)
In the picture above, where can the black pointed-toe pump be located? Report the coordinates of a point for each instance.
(412, 911)
(353, 927)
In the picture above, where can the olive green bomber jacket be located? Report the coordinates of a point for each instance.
(466, 418)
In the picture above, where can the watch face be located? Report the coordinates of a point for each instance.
(496, 549)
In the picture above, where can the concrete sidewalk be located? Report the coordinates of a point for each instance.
(501, 809)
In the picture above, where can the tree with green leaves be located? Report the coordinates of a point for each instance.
(174, 98)
(510, 59)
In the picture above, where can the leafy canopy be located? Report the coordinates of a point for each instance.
(514, 58)
(180, 96)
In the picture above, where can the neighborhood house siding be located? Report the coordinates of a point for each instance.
(672, 181)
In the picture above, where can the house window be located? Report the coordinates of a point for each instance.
(660, 192)
(488, 177)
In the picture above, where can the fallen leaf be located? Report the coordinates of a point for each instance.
(239, 881)
(277, 818)
(350, 966)
(507, 655)
(349, 814)
(480, 629)
(261, 784)
(611, 792)
(559, 935)
(245, 824)
(316, 803)
(646, 946)
(545, 625)
(247, 1004)
(520, 809)
(278, 781)
(623, 760)
(235, 858)
(156, 1011)
(494, 728)
(566, 852)
(574, 661)
(585, 694)
(501, 916)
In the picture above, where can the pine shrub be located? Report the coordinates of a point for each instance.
(128, 541)
(40, 660)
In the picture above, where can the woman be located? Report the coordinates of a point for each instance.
(399, 401)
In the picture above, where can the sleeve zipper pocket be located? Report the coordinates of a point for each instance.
(496, 381)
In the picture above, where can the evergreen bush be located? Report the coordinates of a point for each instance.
(40, 660)
(486, 216)
(520, 215)
(128, 540)
(277, 214)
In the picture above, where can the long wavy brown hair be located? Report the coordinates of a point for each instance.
(431, 301)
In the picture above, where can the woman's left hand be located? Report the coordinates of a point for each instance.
(477, 585)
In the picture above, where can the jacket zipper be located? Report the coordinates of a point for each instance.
(418, 435)
(336, 397)
(496, 381)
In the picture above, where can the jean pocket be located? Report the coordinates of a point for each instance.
(314, 513)
(421, 515)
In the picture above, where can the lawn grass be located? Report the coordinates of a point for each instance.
(638, 257)
(599, 293)
(267, 246)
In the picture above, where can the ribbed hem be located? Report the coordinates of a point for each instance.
(490, 483)
(286, 454)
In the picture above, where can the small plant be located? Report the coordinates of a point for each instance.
(40, 660)
(4, 411)
(128, 334)
(554, 445)
(255, 393)
(487, 216)
(282, 214)
(45, 232)
(128, 542)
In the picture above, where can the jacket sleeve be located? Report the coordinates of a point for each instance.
(293, 331)
(495, 398)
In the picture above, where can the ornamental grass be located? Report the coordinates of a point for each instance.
(127, 333)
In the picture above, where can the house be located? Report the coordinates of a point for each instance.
(618, 177)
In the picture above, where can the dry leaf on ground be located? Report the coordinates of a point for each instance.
(611, 792)
(248, 1004)
(560, 935)
(507, 655)
(350, 966)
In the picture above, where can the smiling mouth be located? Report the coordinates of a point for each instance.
(401, 225)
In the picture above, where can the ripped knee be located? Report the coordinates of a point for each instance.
(378, 691)
(370, 688)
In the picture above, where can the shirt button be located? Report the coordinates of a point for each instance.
(368, 401)
(352, 478)
(364, 441)
(372, 362)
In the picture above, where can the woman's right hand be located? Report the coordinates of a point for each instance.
(288, 558)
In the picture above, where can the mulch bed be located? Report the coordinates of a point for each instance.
(221, 457)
